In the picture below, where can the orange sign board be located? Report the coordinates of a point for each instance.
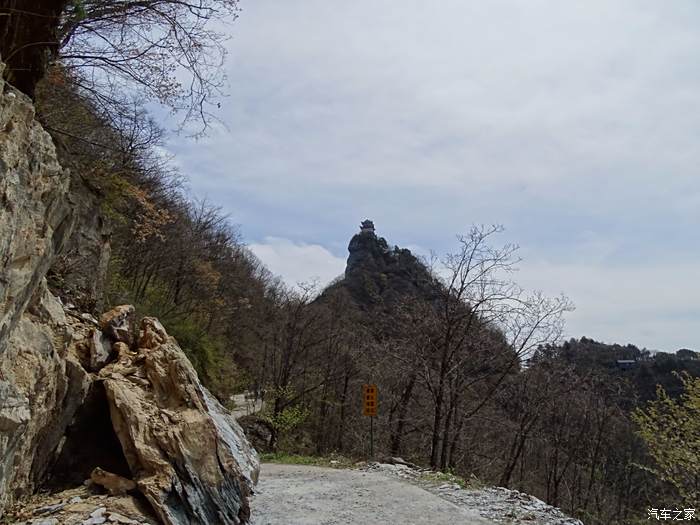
(369, 400)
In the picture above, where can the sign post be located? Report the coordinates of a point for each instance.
(369, 408)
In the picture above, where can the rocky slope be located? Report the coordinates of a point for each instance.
(82, 399)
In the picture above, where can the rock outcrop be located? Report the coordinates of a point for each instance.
(188, 455)
(35, 216)
(378, 276)
(78, 395)
(41, 383)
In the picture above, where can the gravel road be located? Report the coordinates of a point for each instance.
(244, 406)
(301, 495)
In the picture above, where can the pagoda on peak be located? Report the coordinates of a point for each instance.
(367, 226)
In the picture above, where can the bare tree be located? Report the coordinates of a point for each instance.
(483, 326)
(163, 50)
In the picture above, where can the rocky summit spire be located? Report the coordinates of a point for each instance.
(377, 273)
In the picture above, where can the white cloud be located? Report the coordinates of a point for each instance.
(572, 123)
(649, 304)
(298, 262)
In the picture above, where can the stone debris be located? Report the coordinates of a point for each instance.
(115, 517)
(89, 318)
(118, 323)
(95, 521)
(498, 504)
(390, 460)
(49, 509)
(81, 506)
(116, 485)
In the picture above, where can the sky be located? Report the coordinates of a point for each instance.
(575, 125)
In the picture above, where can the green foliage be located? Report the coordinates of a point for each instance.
(671, 430)
(439, 478)
(79, 12)
(283, 415)
(289, 417)
(200, 348)
(205, 351)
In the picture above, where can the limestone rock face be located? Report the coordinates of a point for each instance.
(45, 384)
(188, 456)
(41, 385)
(81, 267)
(35, 217)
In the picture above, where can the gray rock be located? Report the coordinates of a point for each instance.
(45, 521)
(49, 509)
(118, 518)
(95, 521)
(100, 350)
(40, 385)
(118, 324)
(35, 219)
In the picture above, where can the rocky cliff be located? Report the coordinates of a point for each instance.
(378, 276)
(80, 399)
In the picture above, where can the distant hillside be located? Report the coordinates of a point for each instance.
(639, 367)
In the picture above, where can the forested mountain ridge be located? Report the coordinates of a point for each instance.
(627, 363)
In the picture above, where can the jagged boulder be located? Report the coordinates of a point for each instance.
(118, 323)
(114, 483)
(188, 456)
(100, 350)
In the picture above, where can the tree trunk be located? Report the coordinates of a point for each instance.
(28, 36)
(397, 433)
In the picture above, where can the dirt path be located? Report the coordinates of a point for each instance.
(298, 494)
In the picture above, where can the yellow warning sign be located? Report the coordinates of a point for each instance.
(369, 396)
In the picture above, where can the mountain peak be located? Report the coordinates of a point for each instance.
(376, 273)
